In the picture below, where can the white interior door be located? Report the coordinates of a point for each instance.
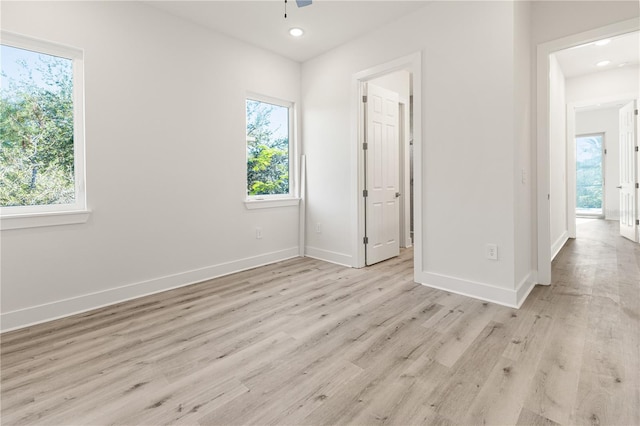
(382, 177)
(628, 179)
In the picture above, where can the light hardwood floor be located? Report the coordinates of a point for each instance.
(307, 342)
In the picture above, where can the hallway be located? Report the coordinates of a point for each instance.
(593, 354)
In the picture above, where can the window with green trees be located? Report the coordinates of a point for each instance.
(268, 139)
(38, 130)
(589, 174)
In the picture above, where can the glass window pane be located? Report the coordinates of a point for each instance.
(36, 129)
(589, 176)
(267, 149)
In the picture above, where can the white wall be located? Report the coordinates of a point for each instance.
(467, 141)
(602, 85)
(605, 121)
(399, 82)
(558, 156)
(552, 20)
(165, 148)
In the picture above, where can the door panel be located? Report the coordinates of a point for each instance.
(382, 175)
(628, 172)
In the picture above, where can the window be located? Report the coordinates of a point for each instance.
(589, 175)
(269, 124)
(41, 129)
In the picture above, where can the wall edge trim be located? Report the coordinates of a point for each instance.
(25, 317)
(477, 290)
(329, 256)
(559, 243)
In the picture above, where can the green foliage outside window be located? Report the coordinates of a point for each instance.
(36, 129)
(267, 148)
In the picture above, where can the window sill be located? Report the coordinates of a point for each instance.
(267, 203)
(35, 220)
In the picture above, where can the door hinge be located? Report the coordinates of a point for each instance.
(365, 240)
(636, 149)
(364, 98)
(365, 193)
(365, 146)
(605, 152)
(637, 221)
(637, 185)
(636, 112)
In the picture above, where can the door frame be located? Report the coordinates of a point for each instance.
(404, 137)
(413, 64)
(635, 158)
(543, 209)
(571, 151)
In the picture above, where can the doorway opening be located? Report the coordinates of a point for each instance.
(590, 152)
(379, 162)
(384, 140)
(556, 206)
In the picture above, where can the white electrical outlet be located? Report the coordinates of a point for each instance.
(318, 228)
(258, 233)
(492, 251)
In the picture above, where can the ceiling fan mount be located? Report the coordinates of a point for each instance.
(299, 3)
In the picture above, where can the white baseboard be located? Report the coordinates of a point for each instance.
(512, 298)
(524, 288)
(329, 256)
(62, 308)
(558, 244)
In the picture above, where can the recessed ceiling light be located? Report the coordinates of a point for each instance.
(603, 63)
(296, 32)
(603, 42)
(622, 64)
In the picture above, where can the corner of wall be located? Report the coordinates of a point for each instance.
(477, 290)
(329, 256)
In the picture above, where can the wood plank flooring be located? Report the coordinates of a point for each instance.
(304, 342)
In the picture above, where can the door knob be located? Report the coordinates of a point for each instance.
(398, 194)
(619, 187)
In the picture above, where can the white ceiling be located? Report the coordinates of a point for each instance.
(606, 105)
(327, 23)
(581, 60)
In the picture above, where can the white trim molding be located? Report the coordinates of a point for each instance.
(267, 203)
(329, 256)
(512, 298)
(66, 307)
(559, 243)
(525, 287)
(36, 220)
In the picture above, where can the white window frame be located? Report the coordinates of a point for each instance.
(16, 217)
(276, 200)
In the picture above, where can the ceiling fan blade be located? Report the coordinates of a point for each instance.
(303, 3)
